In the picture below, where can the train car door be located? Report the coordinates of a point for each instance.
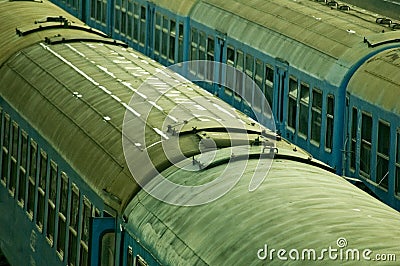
(102, 247)
(281, 69)
(224, 76)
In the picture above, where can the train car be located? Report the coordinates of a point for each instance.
(301, 54)
(75, 116)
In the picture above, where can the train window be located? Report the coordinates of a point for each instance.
(6, 133)
(15, 136)
(85, 231)
(292, 107)
(329, 123)
(74, 207)
(353, 147)
(5, 159)
(107, 249)
(202, 45)
(366, 138)
(136, 22)
(193, 54)
(397, 189)
(140, 261)
(129, 32)
(157, 34)
(210, 48)
(32, 177)
(180, 48)
(62, 214)
(103, 15)
(22, 167)
(93, 9)
(164, 41)
(72, 247)
(51, 214)
(258, 76)
(117, 23)
(202, 53)
(239, 64)
(73, 225)
(96, 212)
(130, 6)
(129, 256)
(382, 163)
(316, 116)
(98, 10)
(303, 113)
(43, 170)
(14, 157)
(123, 21)
(172, 36)
(230, 56)
(41, 190)
(142, 25)
(249, 65)
(269, 84)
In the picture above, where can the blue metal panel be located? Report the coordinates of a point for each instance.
(99, 227)
(386, 196)
(137, 250)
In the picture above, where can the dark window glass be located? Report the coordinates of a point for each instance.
(107, 249)
(87, 206)
(316, 114)
(193, 53)
(382, 166)
(140, 261)
(249, 65)
(32, 177)
(142, 25)
(303, 114)
(129, 256)
(230, 56)
(6, 134)
(292, 102)
(74, 208)
(239, 64)
(4, 166)
(269, 84)
(258, 75)
(51, 215)
(180, 48)
(329, 122)
(72, 248)
(365, 151)
(43, 170)
(353, 148)
(172, 41)
(61, 236)
(136, 22)
(15, 141)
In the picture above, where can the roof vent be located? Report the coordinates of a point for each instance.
(343, 7)
(395, 26)
(332, 3)
(383, 21)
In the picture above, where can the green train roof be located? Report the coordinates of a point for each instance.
(297, 206)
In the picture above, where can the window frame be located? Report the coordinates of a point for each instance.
(366, 145)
